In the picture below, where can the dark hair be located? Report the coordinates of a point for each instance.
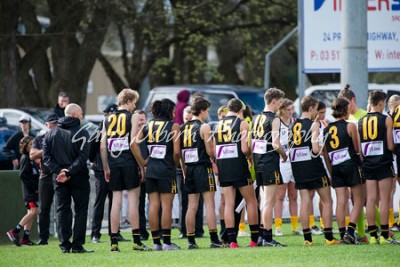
(235, 105)
(199, 104)
(339, 107)
(321, 105)
(376, 96)
(347, 93)
(247, 112)
(23, 143)
(63, 94)
(307, 102)
(163, 109)
(273, 93)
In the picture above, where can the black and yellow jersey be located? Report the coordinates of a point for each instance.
(372, 129)
(306, 165)
(339, 144)
(159, 140)
(231, 162)
(118, 131)
(264, 154)
(193, 147)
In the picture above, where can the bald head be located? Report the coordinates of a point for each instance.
(73, 110)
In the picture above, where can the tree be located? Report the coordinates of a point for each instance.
(149, 32)
(59, 57)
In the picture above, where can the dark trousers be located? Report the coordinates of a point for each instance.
(142, 210)
(184, 201)
(102, 191)
(79, 193)
(46, 196)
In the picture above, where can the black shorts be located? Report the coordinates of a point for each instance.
(319, 182)
(161, 186)
(30, 194)
(199, 178)
(269, 178)
(379, 174)
(347, 176)
(123, 178)
(238, 183)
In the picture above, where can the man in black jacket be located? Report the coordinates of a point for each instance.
(65, 153)
(46, 188)
(11, 148)
(62, 102)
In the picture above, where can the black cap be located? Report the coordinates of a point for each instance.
(110, 108)
(53, 118)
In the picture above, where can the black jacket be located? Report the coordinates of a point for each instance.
(66, 147)
(59, 111)
(94, 152)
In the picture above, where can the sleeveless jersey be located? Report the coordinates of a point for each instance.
(396, 135)
(193, 147)
(231, 162)
(372, 129)
(118, 131)
(339, 144)
(284, 139)
(264, 154)
(306, 166)
(159, 140)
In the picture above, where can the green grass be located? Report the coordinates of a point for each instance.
(293, 255)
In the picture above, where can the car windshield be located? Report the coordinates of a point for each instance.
(254, 99)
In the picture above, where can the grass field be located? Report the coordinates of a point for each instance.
(293, 255)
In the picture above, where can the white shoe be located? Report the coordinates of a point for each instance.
(335, 231)
(170, 247)
(298, 232)
(243, 234)
(278, 232)
(316, 231)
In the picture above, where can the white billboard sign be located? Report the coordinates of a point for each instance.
(322, 35)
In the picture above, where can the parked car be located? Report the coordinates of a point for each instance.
(218, 95)
(95, 119)
(328, 92)
(38, 117)
(6, 131)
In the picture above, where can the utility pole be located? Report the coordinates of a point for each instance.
(354, 55)
(301, 86)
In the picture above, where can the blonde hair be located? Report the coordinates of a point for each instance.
(285, 103)
(393, 101)
(126, 95)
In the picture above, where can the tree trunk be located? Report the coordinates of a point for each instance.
(8, 57)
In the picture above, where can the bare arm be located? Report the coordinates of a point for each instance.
(176, 143)
(316, 148)
(327, 161)
(205, 134)
(35, 153)
(104, 154)
(389, 133)
(276, 143)
(244, 130)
